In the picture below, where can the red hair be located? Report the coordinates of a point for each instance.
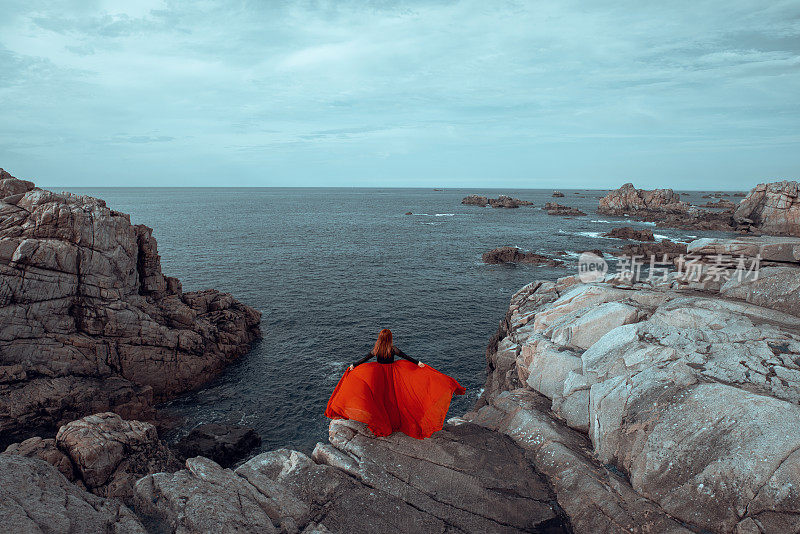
(383, 346)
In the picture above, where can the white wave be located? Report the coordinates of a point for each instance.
(660, 237)
(444, 215)
(692, 236)
(601, 221)
(594, 235)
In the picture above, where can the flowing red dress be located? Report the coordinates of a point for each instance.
(394, 396)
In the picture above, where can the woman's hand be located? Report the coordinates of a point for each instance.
(420, 364)
(350, 368)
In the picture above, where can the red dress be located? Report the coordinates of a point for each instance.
(394, 396)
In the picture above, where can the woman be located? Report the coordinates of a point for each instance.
(389, 395)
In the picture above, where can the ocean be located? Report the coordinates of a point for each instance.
(329, 268)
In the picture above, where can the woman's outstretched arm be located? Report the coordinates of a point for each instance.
(406, 356)
(362, 360)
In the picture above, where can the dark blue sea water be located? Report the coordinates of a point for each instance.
(329, 268)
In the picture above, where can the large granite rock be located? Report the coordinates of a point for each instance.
(769, 248)
(761, 270)
(110, 454)
(595, 498)
(690, 401)
(90, 323)
(463, 479)
(35, 497)
(771, 208)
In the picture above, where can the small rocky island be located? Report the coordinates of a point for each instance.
(621, 405)
(554, 208)
(502, 201)
(515, 255)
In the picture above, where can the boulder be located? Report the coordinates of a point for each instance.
(775, 287)
(225, 444)
(109, 453)
(629, 232)
(36, 497)
(771, 208)
(111, 332)
(558, 194)
(515, 255)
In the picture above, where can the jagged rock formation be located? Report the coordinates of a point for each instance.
(554, 208)
(664, 207)
(502, 201)
(35, 497)
(690, 404)
(629, 232)
(772, 208)
(515, 255)
(627, 199)
(463, 479)
(89, 323)
(558, 194)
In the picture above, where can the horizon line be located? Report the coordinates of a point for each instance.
(437, 189)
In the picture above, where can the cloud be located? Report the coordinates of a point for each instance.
(336, 93)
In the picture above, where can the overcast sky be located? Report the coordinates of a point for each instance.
(466, 93)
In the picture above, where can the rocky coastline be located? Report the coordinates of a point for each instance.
(620, 405)
(89, 322)
(769, 208)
